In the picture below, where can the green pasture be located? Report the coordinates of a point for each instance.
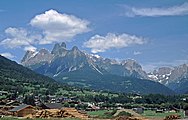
(153, 114)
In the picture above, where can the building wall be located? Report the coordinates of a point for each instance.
(186, 113)
(24, 112)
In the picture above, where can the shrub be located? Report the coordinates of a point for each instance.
(123, 113)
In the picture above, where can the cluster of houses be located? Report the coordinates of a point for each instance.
(54, 107)
(47, 110)
(3, 93)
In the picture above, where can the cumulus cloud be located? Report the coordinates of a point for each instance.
(18, 37)
(158, 11)
(99, 43)
(7, 55)
(57, 27)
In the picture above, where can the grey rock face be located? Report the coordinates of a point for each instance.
(171, 77)
(59, 50)
(164, 70)
(27, 56)
(32, 58)
(134, 68)
(161, 75)
(179, 72)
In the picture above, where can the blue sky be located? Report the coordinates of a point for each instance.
(153, 32)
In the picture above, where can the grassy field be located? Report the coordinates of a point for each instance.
(79, 93)
(152, 114)
(100, 113)
(147, 114)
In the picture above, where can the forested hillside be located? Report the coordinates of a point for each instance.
(15, 78)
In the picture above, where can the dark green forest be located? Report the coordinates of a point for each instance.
(17, 79)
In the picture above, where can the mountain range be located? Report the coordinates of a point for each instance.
(176, 78)
(79, 68)
(61, 60)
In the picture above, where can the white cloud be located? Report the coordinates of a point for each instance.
(57, 27)
(30, 48)
(99, 43)
(7, 55)
(18, 37)
(137, 52)
(158, 11)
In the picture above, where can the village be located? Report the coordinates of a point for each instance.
(73, 107)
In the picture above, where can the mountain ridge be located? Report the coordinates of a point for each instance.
(127, 67)
(75, 64)
(176, 78)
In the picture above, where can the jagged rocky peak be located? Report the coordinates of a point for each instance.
(131, 64)
(168, 75)
(184, 66)
(63, 45)
(134, 68)
(76, 52)
(32, 58)
(28, 55)
(164, 70)
(59, 50)
(56, 48)
(181, 69)
(161, 75)
(107, 60)
(42, 55)
(43, 51)
(75, 48)
(179, 72)
(110, 61)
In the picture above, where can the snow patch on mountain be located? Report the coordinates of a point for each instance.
(96, 69)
